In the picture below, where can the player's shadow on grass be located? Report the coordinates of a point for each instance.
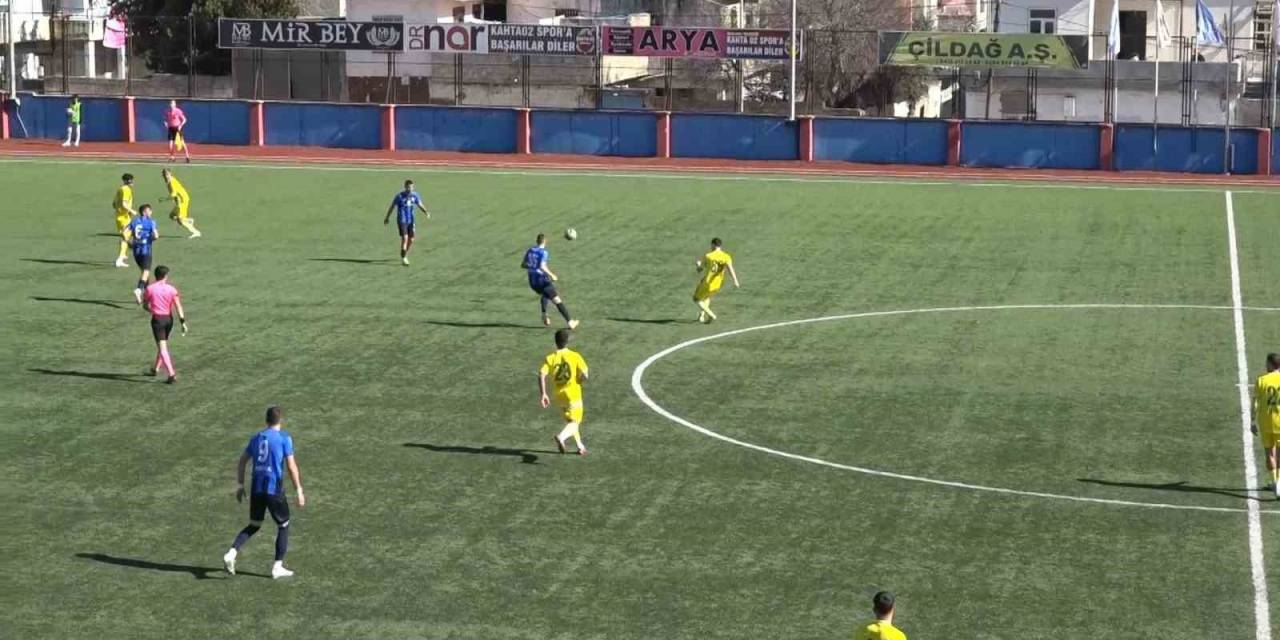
(527, 456)
(649, 320)
(114, 304)
(119, 377)
(356, 260)
(482, 325)
(1180, 486)
(91, 263)
(199, 573)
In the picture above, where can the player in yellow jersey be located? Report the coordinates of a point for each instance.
(122, 207)
(882, 628)
(181, 203)
(568, 371)
(1266, 415)
(712, 266)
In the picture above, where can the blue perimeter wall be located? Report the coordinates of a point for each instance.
(880, 141)
(1030, 145)
(208, 121)
(594, 133)
(733, 136)
(456, 129)
(634, 134)
(1190, 149)
(323, 125)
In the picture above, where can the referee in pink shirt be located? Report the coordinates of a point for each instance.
(175, 120)
(162, 300)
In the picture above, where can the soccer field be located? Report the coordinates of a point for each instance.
(1014, 465)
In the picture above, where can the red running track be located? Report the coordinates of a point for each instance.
(157, 152)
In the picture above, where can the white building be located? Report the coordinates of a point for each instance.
(36, 29)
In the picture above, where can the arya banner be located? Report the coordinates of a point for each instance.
(695, 42)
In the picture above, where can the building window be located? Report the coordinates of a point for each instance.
(490, 11)
(459, 14)
(1043, 21)
(568, 13)
(1263, 22)
(1133, 35)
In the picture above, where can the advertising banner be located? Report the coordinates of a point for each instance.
(515, 39)
(329, 35)
(692, 42)
(1024, 50)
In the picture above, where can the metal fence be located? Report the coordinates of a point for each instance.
(837, 74)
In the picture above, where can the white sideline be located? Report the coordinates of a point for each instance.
(1261, 604)
(637, 386)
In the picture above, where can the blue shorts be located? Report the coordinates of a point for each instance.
(406, 227)
(544, 289)
(142, 259)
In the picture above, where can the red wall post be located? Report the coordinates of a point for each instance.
(4, 116)
(664, 135)
(522, 131)
(1264, 152)
(953, 142)
(805, 131)
(257, 128)
(130, 121)
(1106, 146)
(389, 127)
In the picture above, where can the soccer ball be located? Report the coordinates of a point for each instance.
(570, 234)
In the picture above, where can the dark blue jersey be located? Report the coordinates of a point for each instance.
(406, 203)
(143, 230)
(533, 260)
(269, 448)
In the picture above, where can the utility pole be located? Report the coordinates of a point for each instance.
(11, 55)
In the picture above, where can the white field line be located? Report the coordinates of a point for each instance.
(1261, 604)
(637, 386)
(742, 174)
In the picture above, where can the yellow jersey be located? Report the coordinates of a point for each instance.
(880, 630)
(1266, 402)
(123, 200)
(178, 192)
(566, 367)
(714, 265)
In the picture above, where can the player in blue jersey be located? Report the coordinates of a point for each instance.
(405, 205)
(270, 450)
(140, 233)
(542, 281)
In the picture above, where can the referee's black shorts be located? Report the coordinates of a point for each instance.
(261, 503)
(161, 327)
(173, 133)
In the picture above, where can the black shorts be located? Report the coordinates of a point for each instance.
(547, 290)
(278, 505)
(143, 260)
(173, 133)
(161, 327)
(406, 228)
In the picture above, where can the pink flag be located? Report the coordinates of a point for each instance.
(114, 37)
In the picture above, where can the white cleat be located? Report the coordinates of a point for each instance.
(194, 234)
(77, 144)
(229, 561)
(404, 261)
(278, 571)
(137, 295)
(120, 262)
(573, 324)
(67, 143)
(1276, 488)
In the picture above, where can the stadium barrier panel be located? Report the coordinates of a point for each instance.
(595, 133)
(322, 125)
(208, 121)
(1184, 149)
(881, 141)
(1030, 145)
(733, 136)
(456, 129)
(1275, 151)
(1264, 152)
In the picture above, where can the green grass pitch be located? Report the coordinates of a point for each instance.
(437, 507)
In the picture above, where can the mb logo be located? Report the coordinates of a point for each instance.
(241, 33)
(384, 37)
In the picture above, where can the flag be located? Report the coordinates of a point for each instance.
(178, 142)
(1113, 34)
(1163, 33)
(1207, 31)
(114, 33)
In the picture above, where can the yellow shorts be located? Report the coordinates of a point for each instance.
(179, 211)
(1270, 437)
(122, 221)
(703, 292)
(572, 411)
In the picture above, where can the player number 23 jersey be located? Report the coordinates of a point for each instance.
(1266, 401)
(714, 265)
(564, 367)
